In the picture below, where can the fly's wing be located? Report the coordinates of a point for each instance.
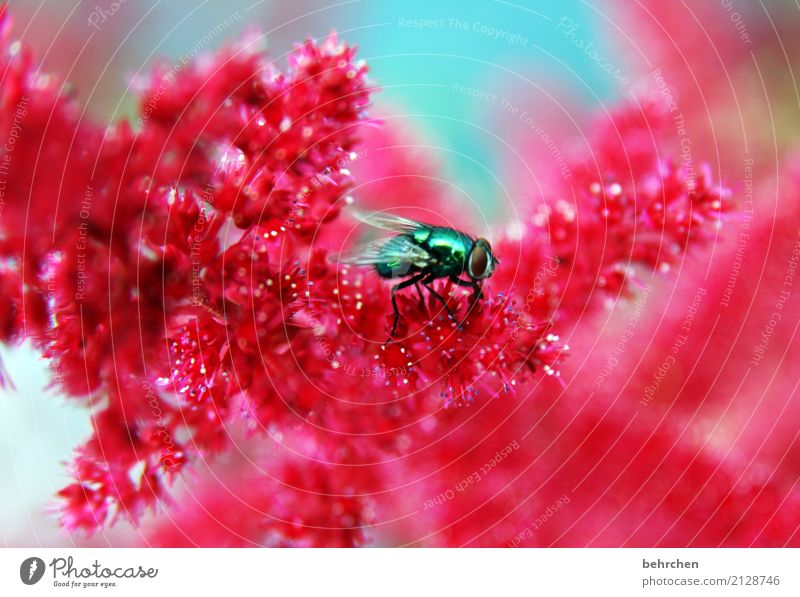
(397, 250)
(390, 222)
(364, 254)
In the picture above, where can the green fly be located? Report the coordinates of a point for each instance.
(422, 253)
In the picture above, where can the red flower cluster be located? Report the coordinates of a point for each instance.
(155, 266)
(177, 274)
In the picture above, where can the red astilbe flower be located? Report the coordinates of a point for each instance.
(492, 346)
(139, 275)
(626, 206)
(191, 286)
(305, 499)
(611, 230)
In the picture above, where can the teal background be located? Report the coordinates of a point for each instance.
(415, 67)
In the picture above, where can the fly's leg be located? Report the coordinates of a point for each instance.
(427, 284)
(419, 292)
(477, 293)
(395, 288)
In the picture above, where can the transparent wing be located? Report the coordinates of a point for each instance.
(389, 222)
(395, 251)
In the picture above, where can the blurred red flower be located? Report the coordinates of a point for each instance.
(176, 273)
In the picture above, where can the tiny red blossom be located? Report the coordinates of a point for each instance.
(179, 274)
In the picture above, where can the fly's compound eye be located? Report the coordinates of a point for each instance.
(480, 260)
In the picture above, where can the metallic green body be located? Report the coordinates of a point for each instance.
(449, 249)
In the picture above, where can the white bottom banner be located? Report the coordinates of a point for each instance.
(379, 572)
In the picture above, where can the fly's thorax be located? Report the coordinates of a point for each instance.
(451, 248)
(421, 236)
